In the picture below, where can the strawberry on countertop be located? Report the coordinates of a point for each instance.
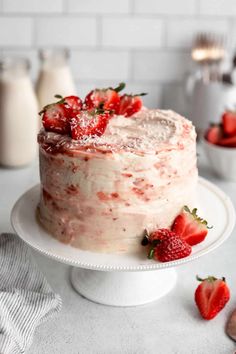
(211, 296)
(190, 227)
(130, 104)
(106, 99)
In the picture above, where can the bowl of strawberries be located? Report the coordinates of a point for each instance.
(220, 146)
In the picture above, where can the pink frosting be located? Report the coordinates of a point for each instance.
(101, 193)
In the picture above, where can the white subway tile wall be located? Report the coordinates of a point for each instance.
(180, 31)
(167, 7)
(99, 7)
(145, 43)
(16, 32)
(32, 6)
(64, 30)
(132, 32)
(100, 65)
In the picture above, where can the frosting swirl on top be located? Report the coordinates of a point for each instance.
(147, 132)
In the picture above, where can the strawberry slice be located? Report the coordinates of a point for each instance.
(229, 123)
(211, 296)
(87, 124)
(55, 118)
(228, 142)
(74, 103)
(214, 134)
(130, 104)
(106, 99)
(167, 246)
(190, 227)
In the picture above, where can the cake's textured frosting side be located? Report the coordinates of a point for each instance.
(101, 193)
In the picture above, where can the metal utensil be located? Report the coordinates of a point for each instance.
(208, 50)
(229, 77)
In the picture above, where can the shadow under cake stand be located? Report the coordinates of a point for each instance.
(123, 280)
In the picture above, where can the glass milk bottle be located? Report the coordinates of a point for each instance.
(18, 114)
(54, 77)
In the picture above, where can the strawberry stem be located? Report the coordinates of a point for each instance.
(186, 208)
(142, 94)
(120, 87)
(196, 217)
(151, 253)
(210, 278)
(61, 101)
(136, 95)
(58, 96)
(198, 278)
(194, 212)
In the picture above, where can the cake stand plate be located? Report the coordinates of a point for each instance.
(123, 280)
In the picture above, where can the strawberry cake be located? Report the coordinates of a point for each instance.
(111, 169)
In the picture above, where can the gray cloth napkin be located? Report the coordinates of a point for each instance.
(26, 299)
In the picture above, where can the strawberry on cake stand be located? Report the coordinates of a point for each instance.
(114, 180)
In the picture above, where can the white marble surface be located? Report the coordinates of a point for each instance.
(169, 326)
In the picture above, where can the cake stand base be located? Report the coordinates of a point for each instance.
(123, 288)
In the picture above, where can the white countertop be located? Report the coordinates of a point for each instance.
(170, 325)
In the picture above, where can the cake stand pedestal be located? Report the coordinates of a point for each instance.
(123, 280)
(123, 288)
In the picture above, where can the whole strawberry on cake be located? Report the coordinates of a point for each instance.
(111, 168)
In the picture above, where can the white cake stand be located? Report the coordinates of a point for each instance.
(123, 280)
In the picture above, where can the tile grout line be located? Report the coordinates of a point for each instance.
(114, 15)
